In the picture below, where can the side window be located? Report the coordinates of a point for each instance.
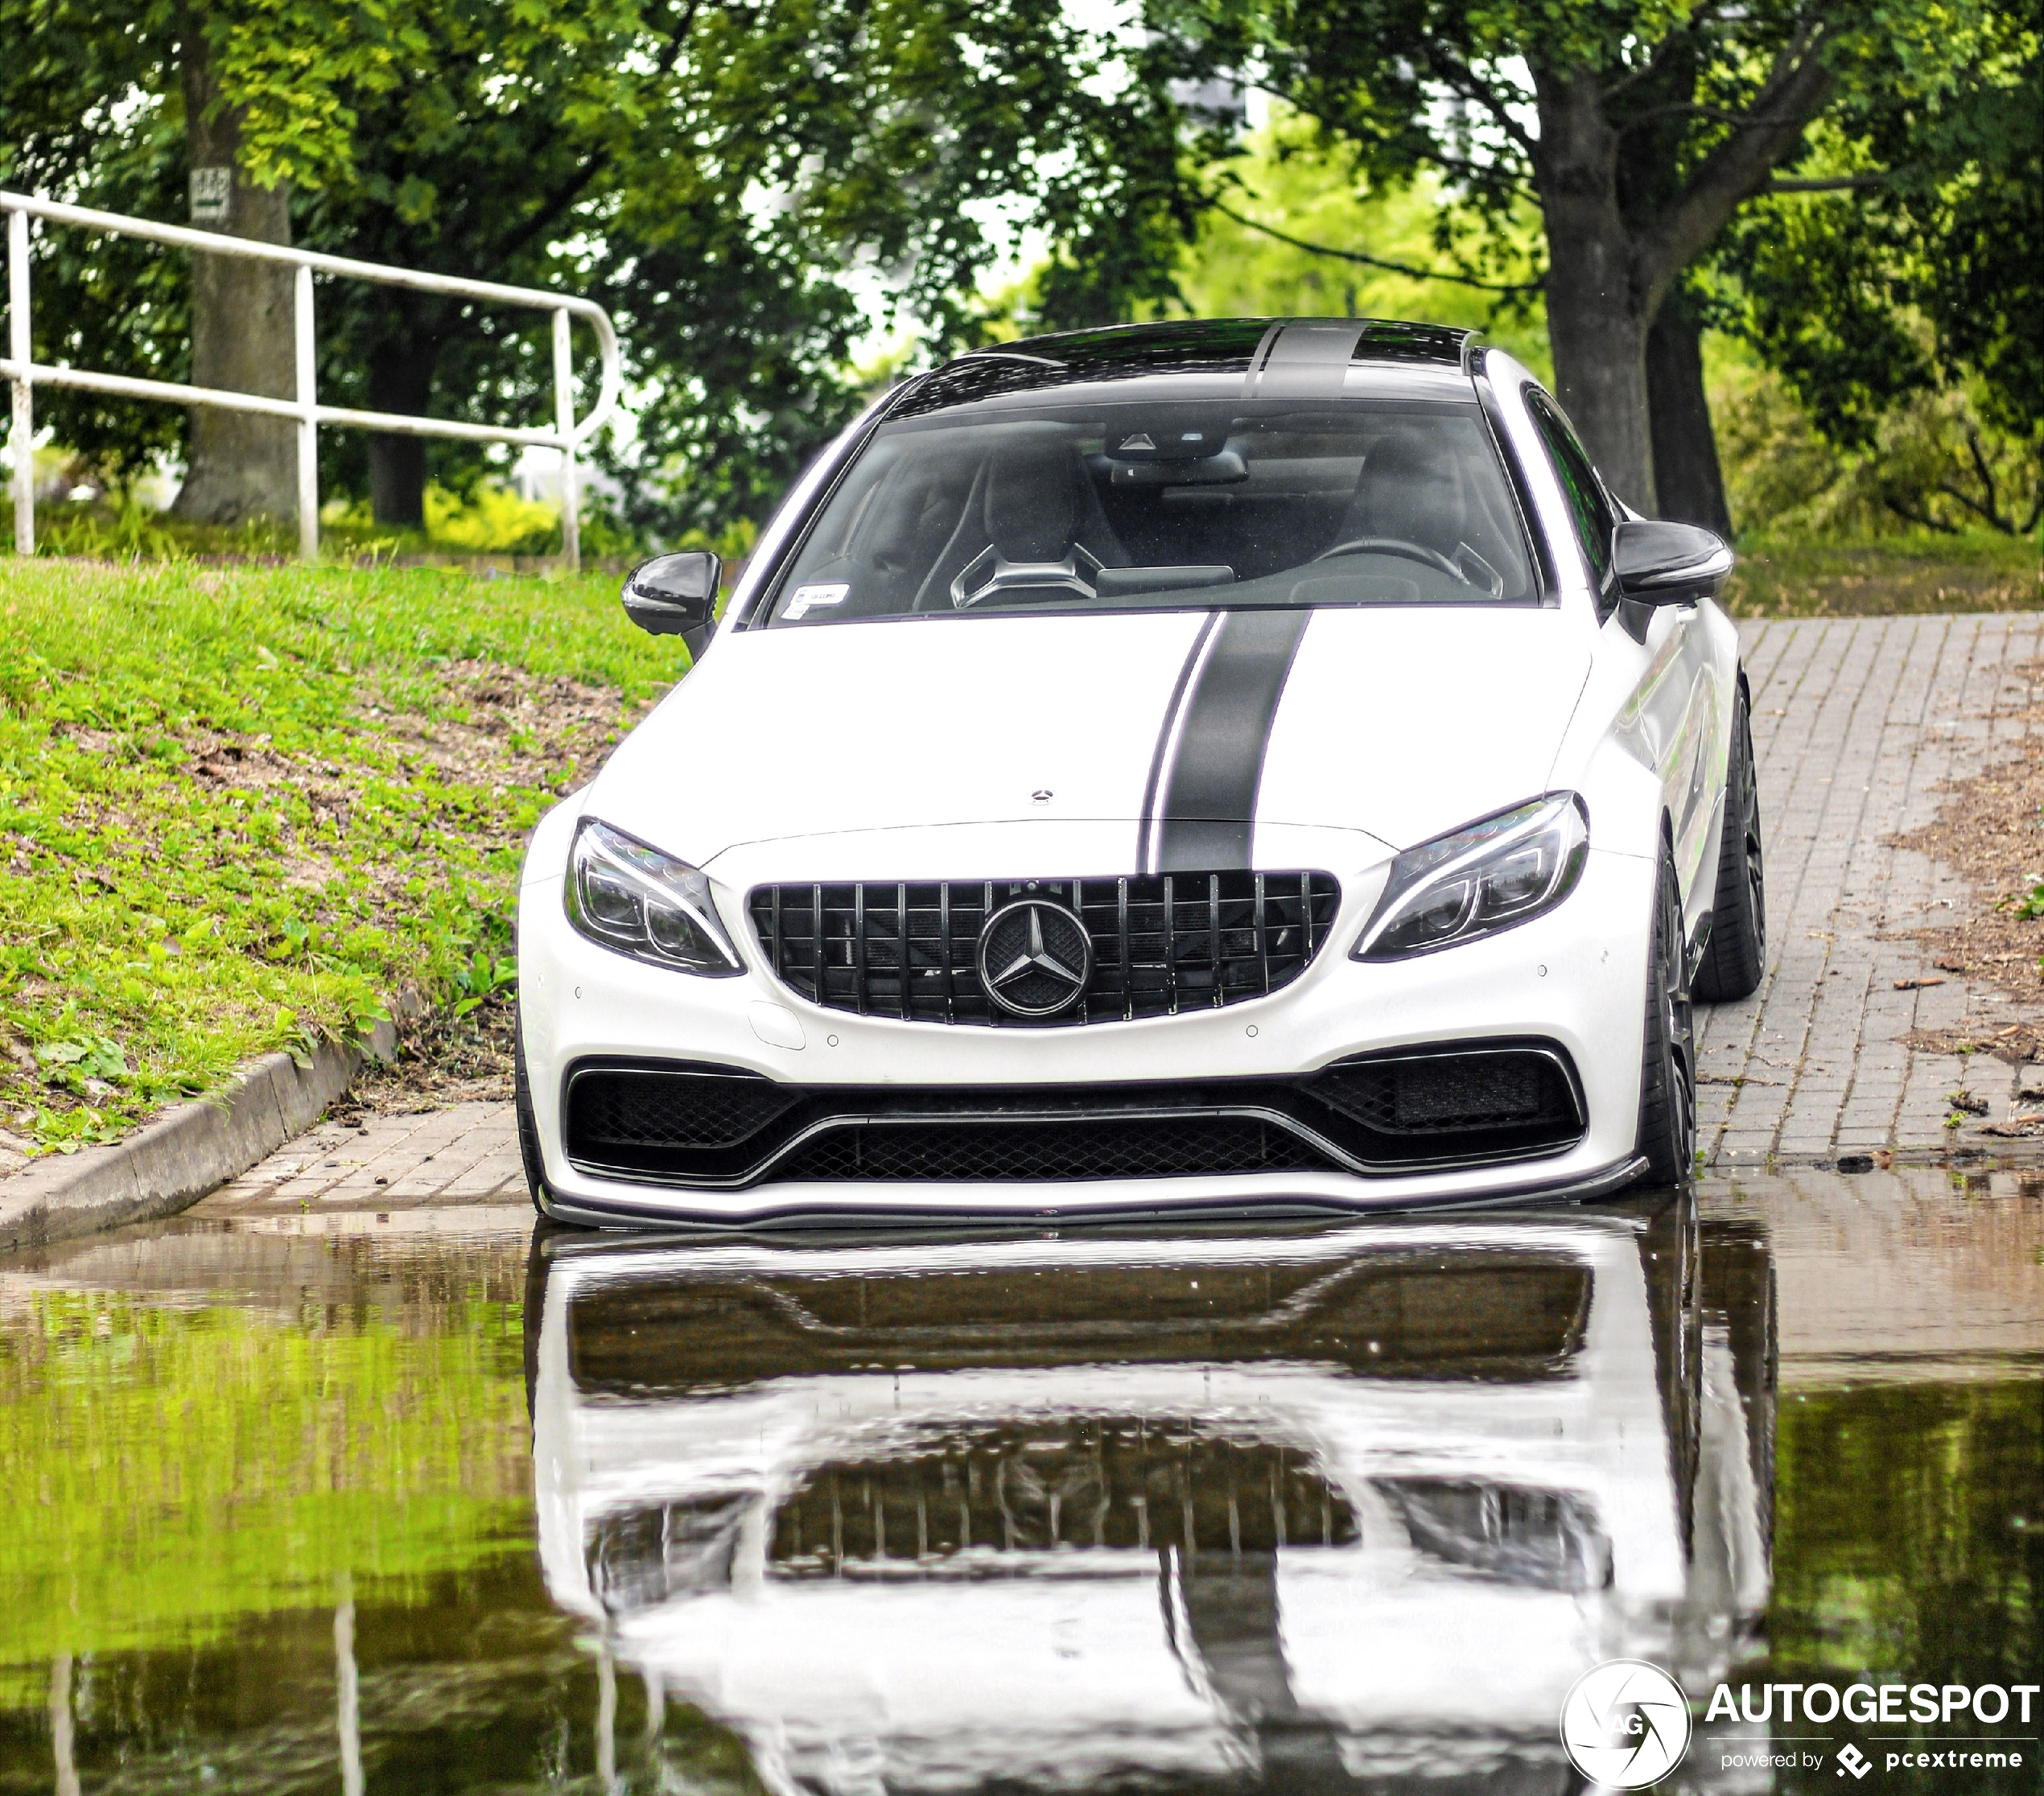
(1588, 505)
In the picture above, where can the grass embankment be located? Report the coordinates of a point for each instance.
(1981, 571)
(238, 807)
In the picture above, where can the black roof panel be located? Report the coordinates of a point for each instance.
(1211, 346)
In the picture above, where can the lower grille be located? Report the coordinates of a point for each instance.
(1161, 944)
(1106, 1148)
(716, 1127)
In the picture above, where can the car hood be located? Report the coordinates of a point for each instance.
(1395, 724)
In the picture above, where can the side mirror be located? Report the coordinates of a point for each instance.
(676, 595)
(1660, 563)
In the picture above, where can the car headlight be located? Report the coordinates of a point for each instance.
(637, 901)
(1486, 876)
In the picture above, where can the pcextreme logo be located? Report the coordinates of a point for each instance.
(1625, 1725)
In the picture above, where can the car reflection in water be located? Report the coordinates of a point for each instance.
(1289, 1507)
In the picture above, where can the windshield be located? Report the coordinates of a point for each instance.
(1168, 505)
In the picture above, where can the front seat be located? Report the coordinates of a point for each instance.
(1410, 490)
(1041, 528)
(1030, 511)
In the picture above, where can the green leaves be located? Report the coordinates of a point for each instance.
(1926, 276)
(297, 70)
(484, 976)
(94, 1058)
(729, 180)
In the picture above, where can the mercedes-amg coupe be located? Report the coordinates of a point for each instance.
(1230, 764)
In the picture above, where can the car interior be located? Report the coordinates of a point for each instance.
(1167, 506)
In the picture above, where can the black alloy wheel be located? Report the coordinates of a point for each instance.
(1668, 1071)
(527, 1125)
(1737, 954)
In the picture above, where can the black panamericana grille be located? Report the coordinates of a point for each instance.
(1162, 943)
(971, 1500)
(719, 1128)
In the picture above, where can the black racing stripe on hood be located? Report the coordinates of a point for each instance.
(1167, 734)
(1201, 816)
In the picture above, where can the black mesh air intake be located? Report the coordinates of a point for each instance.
(1452, 1094)
(1099, 1148)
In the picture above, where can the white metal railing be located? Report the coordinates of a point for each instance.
(18, 367)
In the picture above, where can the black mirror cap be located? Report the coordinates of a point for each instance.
(676, 595)
(1663, 563)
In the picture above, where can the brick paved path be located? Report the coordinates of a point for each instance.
(1855, 724)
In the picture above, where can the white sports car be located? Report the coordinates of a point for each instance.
(1228, 763)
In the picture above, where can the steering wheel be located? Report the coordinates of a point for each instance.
(1394, 545)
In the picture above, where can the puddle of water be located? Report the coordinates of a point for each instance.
(433, 1505)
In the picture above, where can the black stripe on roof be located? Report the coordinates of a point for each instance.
(1127, 352)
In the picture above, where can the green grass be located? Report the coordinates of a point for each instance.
(227, 825)
(1790, 577)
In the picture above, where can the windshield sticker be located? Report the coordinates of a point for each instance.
(806, 599)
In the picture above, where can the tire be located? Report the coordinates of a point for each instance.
(1736, 953)
(1667, 1079)
(528, 1124)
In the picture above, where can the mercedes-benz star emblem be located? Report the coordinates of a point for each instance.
(1034, 957)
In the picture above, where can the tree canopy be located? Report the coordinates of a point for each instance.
(750, 186)
(1636, 129)
(1921, 270)
(725, 178)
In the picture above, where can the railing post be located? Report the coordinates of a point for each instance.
(308, 423)
(22, 440)
(348, 1690)
(564, 423)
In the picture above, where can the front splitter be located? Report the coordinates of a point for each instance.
(805, 1210)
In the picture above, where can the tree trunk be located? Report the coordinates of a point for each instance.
(1688, 482)
(401, 380)
(1595, 324)
(237, 466)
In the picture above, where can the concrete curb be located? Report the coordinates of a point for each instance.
(196, 1148)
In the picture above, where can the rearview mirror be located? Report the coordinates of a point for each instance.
(1660, 563)
(676, 595)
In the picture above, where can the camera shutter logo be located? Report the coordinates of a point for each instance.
(1625, 1725)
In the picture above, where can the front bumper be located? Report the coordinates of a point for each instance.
(1574, 978)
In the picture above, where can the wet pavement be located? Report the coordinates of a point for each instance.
(409, 1499)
